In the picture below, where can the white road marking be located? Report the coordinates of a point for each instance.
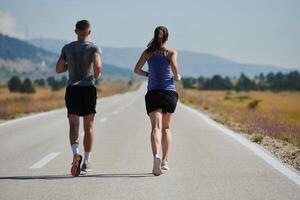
(44, 160)
(81, 133)
(115, 112)
(250, 145)
(122, 108)
(103, 119)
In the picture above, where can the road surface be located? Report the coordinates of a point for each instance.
(206, 162)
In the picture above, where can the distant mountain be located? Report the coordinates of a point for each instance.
(18, 57)
(191, 63)
(16, 49)
(51, 45)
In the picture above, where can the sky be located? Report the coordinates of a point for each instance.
(248, 31)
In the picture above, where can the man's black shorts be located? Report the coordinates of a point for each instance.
(161, 99)
(81, 100)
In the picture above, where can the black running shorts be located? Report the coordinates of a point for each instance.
(161, 99)
(81, 100)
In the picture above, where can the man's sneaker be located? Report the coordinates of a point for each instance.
(164, 165)
(156, 166)
(75, 169)
(86, 167)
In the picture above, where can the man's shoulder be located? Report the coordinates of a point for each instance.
(92, 44)
(68, 45)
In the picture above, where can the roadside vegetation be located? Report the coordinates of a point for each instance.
(262, 113)
(21, 97)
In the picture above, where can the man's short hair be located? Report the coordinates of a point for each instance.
(83, 25)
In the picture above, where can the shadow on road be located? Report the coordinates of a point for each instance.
(56, 177)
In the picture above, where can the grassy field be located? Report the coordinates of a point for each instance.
(17, 104)
(263, 113)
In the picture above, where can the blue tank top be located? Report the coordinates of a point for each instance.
(160, 74)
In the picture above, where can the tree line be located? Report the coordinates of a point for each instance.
(271, 81)
(15, 84)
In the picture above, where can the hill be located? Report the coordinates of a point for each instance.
(18, 57)
(191, 63)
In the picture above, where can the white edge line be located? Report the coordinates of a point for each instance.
(41, 163)
(30, 117)
(251, 146)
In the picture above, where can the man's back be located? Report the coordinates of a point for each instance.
(79, 57)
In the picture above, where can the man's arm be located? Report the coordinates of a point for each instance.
(97, 65)
(61, 66)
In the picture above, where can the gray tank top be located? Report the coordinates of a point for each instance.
(78, 56)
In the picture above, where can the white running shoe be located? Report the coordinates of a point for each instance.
(157, 166)
(86, 167)
(164, 165)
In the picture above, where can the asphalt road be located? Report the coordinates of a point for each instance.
(207, 161)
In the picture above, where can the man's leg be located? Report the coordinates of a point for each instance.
(74, 132)
(88, 139)
(74, 141)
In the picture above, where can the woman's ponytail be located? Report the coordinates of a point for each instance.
(161, 35)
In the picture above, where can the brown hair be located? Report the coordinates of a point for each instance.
(83, 25)
(161, 35)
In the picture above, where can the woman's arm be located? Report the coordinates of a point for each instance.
(139, 65)
(174, 65)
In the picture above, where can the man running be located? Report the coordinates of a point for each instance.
(83, 61)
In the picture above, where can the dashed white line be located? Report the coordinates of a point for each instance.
(122, 108)
(103, 119)
(115, 112)
(44, 160)
(251, 146)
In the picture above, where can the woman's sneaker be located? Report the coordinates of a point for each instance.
(157, 166)
(86, 167)
(164, 165)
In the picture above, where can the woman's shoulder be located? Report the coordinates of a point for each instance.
(171, 52)
(146, 54)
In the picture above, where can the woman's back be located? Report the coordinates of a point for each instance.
(160, 73)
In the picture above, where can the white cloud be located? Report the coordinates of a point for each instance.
(8, 25)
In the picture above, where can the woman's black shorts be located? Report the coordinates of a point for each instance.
(161, 99)
(81, 100)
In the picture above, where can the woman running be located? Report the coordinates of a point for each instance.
(161, 98)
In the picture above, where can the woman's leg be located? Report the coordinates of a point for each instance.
(166, 135)
(156, 124)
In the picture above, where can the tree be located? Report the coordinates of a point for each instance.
(218, 83)
(201, 82)
(293, 80)
(57, 84)
(244, 83)
(189, 82)
(27, 86)
(64, 81)
(50, 80)
(40, 82)
(14, 84)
